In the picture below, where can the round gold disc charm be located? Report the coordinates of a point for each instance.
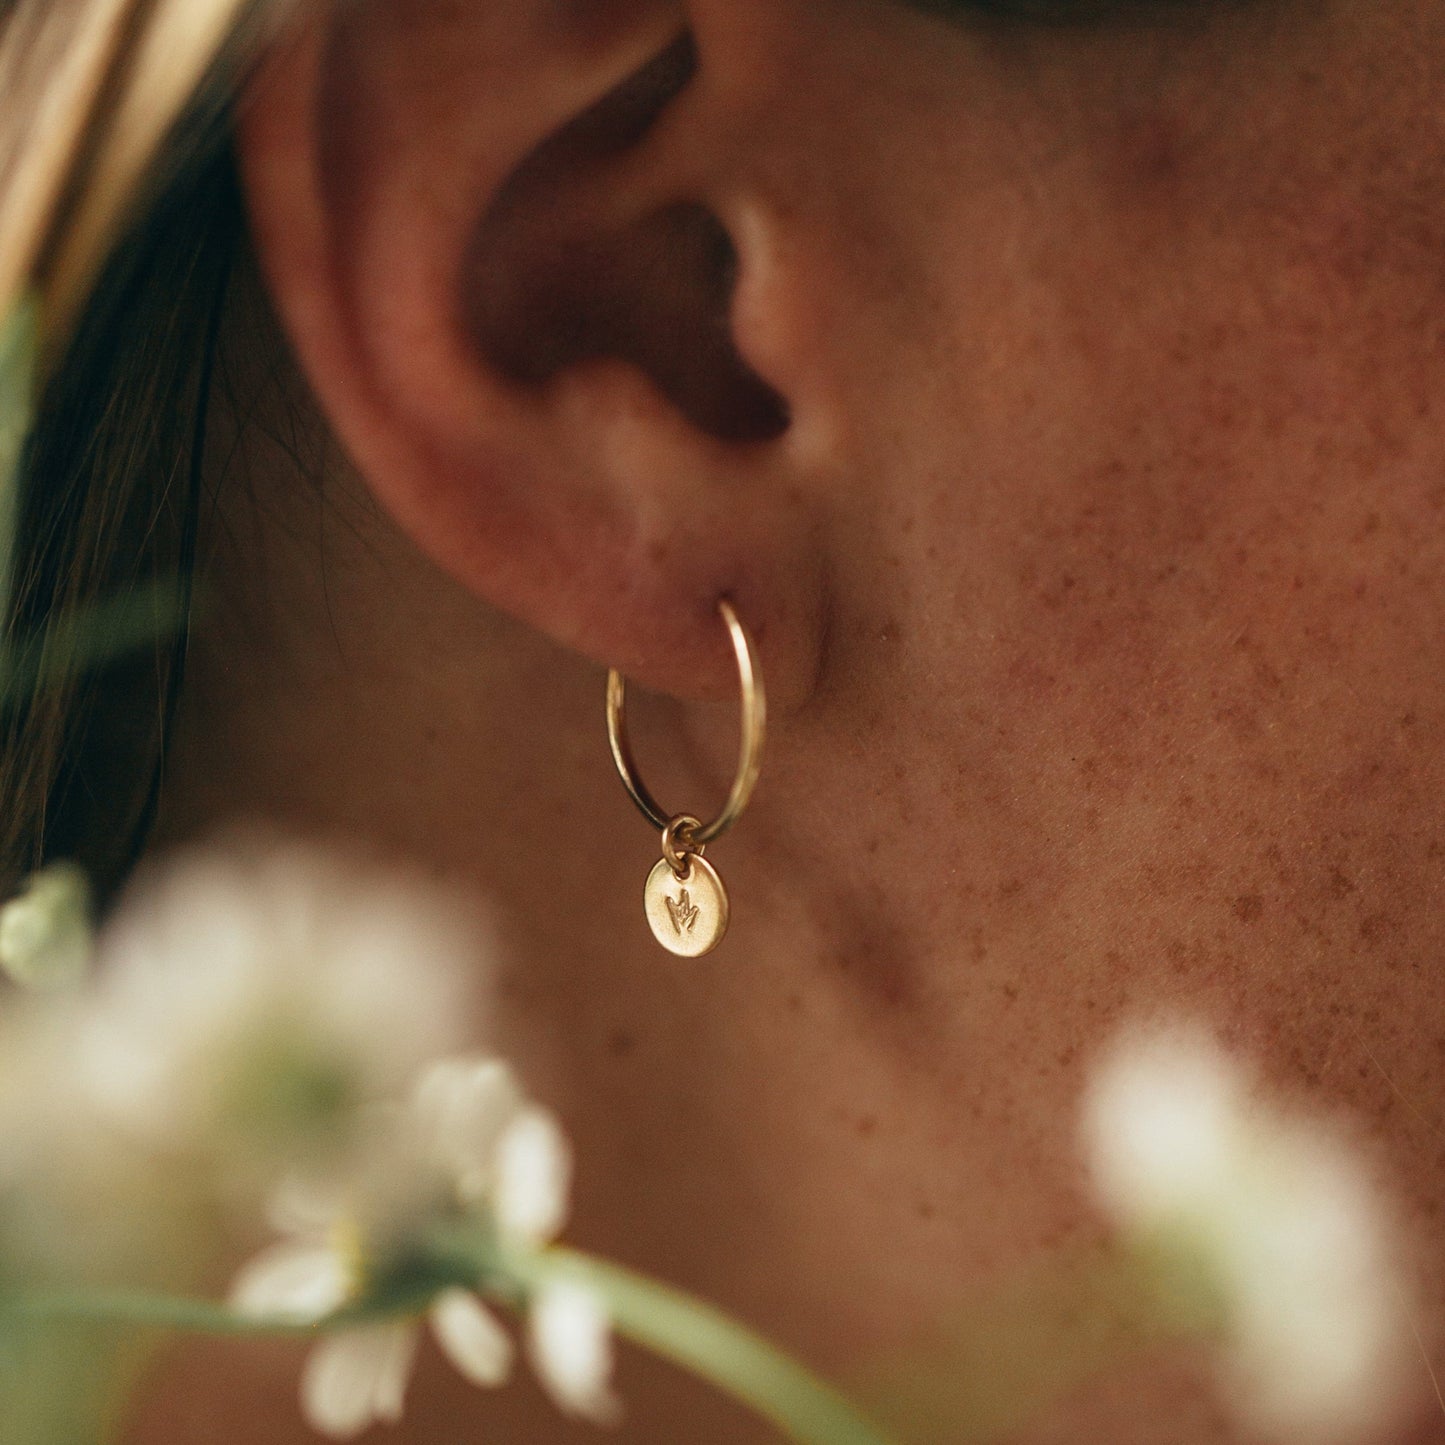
(689, 915)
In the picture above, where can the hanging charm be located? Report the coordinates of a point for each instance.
(685, 900)
(687, 904)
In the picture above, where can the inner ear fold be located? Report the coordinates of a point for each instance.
(550, 281)
(491, 268)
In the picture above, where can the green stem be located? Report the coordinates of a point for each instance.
(149, 1311)
(666, 1321)
(710, 1344)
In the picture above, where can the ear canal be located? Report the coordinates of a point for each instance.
(550, 282)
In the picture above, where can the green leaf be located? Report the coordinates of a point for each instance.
(88, 637)
(19, 347)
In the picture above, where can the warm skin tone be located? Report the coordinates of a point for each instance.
(1097, 580)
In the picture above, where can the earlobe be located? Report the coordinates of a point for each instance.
(517, 320)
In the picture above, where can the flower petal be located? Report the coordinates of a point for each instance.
(464, 1105)
(304, 1282)
(252, 993)
(534, 1171)
(569, 1339)
(357, 1377)
(303, 1207)
(471, 1337)
(1275, 1233)
(396, 1350)
(1163, 1121)
(46, 940)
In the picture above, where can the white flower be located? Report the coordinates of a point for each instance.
(468, 1146)
(460, 1109)
(534, 1171)
(1272, 1214)
(257, 995)
(358, 1378)
(78, 1202)
(46, 939)
(569, 1339)
(316, 1266)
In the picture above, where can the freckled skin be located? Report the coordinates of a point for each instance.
(1113, 358)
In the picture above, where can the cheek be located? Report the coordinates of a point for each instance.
(1138, 381)
(1113, 324)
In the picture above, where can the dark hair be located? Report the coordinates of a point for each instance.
(110, 478)
(111, 486)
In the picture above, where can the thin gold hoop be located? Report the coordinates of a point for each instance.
(750, 753)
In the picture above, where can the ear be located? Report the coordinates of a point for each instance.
(487, 231)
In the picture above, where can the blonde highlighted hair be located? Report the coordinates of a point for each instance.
(120, 220)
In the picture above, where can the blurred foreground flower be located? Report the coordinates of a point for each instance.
(245, 1003)
(253, 997)
(1266, 1229)
(46, 941)
(259, 1018)
(468, 1150)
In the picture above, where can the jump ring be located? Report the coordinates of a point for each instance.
(750, 752)
(679, 843)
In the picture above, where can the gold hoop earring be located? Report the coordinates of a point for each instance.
(685, 901)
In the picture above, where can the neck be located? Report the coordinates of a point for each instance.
(870, 1089)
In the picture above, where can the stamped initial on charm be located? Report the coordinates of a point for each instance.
(688, 914)
(683, 912)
